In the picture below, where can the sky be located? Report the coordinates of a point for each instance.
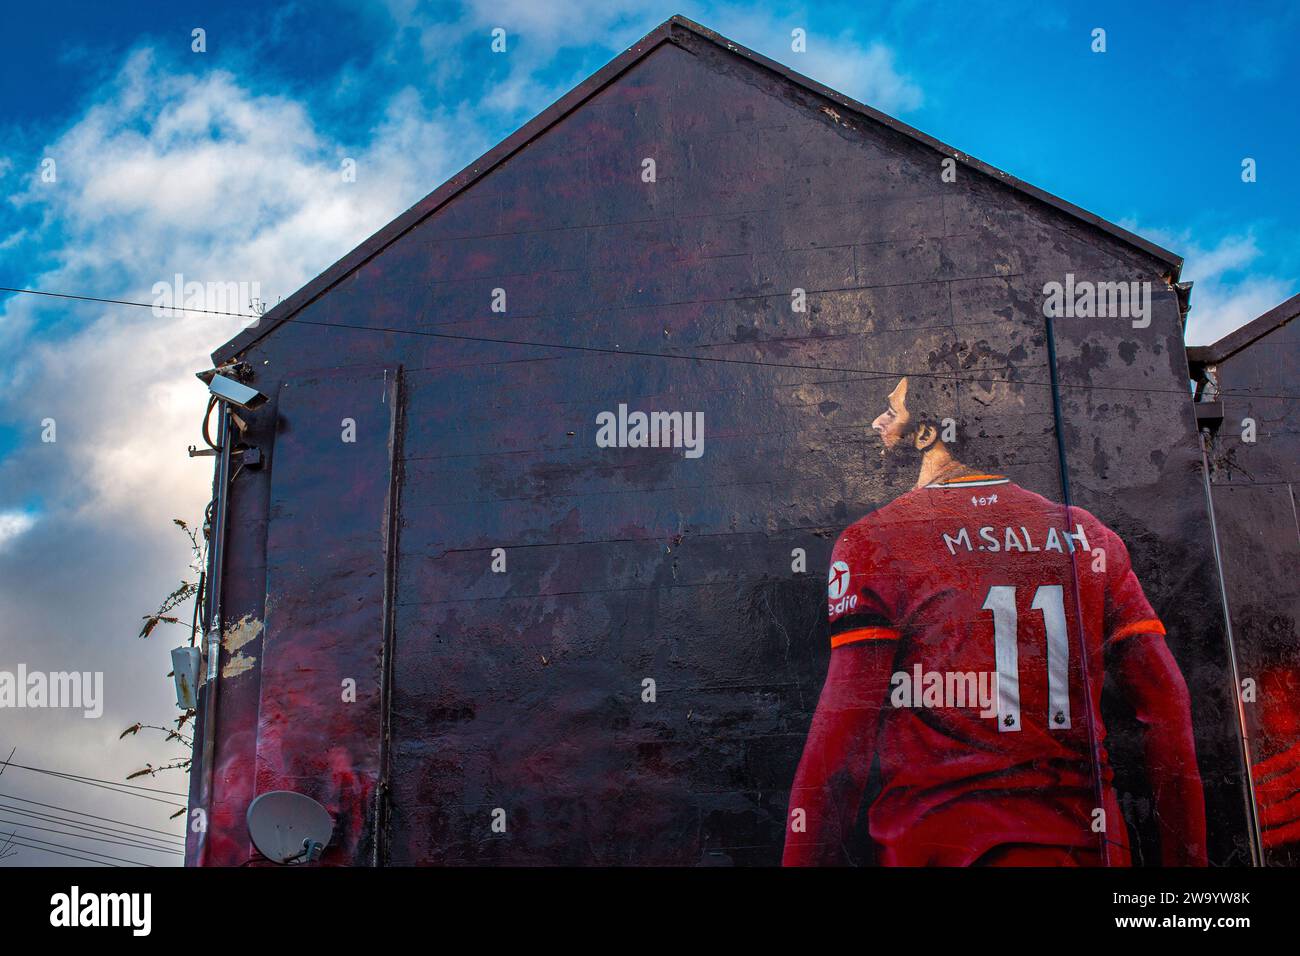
(127, 157)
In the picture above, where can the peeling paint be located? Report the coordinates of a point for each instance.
(246, 629)
(237, 635)
(239, 664)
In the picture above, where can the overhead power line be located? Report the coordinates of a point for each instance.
(171, 841)
(115, 783)
(972, 375)
(126, 789)
(77, 849)
(95, 828)
(81, 813)
(147, 305)
(74, 856)
(86, 836)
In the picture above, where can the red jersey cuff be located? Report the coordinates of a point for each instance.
(864, 634)
(1149, 626)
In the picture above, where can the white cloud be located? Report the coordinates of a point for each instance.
(866, 73)
(195, 173)
(175, 172)
(538, 38)
(178, 173)
(1218, 309)
(1226, 293)
(560, 22)
(862, 69)
(13, 525)
(537, 33)
(169, 172)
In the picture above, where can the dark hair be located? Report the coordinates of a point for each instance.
(929, 401)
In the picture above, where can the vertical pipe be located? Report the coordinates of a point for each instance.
(1094, 746)
(216, 558)
(392, 524)
(1252, 816)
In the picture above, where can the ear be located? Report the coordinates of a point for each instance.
(926, 436)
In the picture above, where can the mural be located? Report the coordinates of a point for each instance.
(1277, 778)
(972, 625)
(561, 601)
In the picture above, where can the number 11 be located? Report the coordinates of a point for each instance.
(1050, 600)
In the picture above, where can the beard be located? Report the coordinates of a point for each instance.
(901, 464)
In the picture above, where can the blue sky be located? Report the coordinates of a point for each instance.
(224, 166)
(1150, 134)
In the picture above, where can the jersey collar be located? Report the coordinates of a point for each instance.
(971, 481)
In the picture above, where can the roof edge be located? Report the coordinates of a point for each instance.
(584, 91)
(965, 159)
(1246, 335)
(435, 200)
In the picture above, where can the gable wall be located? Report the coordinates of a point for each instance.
(523, 690)
(1255, 485)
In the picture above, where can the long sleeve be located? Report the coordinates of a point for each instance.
(837, 756)
(1149, 678)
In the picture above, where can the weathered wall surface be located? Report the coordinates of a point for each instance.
(524, 690)
(1255, 473)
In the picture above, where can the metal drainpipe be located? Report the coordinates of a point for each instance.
(216, 558)
(1256, 840)
(1094, 745)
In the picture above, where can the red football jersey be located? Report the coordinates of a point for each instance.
(997, 599)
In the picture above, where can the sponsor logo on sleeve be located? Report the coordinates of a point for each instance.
(837, 589)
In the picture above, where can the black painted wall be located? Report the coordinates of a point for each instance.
(523, 690)
(1256, 476)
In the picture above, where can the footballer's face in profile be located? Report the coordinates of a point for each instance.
(891, 424)
(899, 456)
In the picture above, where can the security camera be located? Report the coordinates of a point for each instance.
(236, 393)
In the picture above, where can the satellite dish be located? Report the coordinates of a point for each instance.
(289, 827)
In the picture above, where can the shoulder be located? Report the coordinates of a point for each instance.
(873, 525)
(1094, 527)
(1081, 515)
(1092, 524)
